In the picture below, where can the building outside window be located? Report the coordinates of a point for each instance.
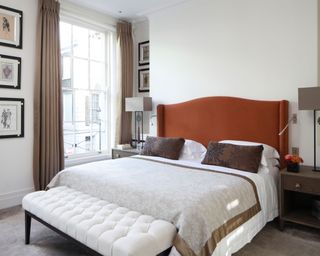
(86, 91)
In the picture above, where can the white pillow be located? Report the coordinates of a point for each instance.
(192, 151)
(272, 168)
(267, 153)
(273, 162)
(273, 171)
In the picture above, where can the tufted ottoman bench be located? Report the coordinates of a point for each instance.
(100, 227)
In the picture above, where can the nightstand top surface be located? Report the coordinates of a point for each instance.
(305, 171)
(130, 150)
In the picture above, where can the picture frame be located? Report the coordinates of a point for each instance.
(144, 80)
(11, 27)
(144, 53)
(10, 72)
(11, 118)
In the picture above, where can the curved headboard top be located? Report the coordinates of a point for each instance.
(226, 118)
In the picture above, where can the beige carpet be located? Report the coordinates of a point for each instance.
(294, 241)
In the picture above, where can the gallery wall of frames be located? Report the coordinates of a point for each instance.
(11, 109)
(143, 71)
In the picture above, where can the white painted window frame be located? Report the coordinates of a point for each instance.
(109, 32)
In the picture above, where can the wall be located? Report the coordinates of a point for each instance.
(140, 34)
(16, 154)
(247, 48)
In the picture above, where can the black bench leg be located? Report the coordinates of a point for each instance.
(27, 223)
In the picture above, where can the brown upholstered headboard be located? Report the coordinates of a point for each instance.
(221, 118)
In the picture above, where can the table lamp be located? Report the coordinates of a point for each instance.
(309, 99)
(138, 105)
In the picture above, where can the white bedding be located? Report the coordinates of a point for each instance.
(266, 184)
(267, 192)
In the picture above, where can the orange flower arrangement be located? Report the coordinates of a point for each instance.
(293, 159)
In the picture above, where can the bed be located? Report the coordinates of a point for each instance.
(216, 210)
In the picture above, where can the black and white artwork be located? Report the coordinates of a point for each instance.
(8, 118)
(144, 53)
(11, 118)
(10, 72)
(7, 71)
(144, 80)
(10, 27)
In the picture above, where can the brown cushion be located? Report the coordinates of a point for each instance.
(163, 147)
(245, 158)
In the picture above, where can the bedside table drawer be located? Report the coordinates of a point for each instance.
(301, 184)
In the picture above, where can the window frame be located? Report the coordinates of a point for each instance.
(109, 33)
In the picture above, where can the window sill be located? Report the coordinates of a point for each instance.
(87, 159)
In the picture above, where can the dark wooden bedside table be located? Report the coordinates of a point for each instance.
(119, 153)
(297, 191)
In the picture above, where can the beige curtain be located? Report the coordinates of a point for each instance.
(125, 81)
(48, 158)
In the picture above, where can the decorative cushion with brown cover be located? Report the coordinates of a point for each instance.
(163, 147)
(245, 158)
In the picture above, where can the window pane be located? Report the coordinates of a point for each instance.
(84, 89)
(83, 142)
(66, 72)
(80, 73)
(68, 137)
(97, 46)
(98, 121)
(97, 143)
(67, 107)
(80, 105)
(95, 108)
(83, 124)
(80, 42)
(66, 67)
(97, 76)
(65, 38)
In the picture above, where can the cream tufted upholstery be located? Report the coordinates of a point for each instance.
(104, 227)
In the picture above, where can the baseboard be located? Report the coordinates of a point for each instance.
(13, 198)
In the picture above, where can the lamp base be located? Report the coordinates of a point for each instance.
(316, 169)
(135, 143)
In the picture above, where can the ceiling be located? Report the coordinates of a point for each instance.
(127, 9)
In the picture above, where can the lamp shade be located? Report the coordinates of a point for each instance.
(309, 98)
(138, 104)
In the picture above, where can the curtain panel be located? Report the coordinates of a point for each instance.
(125, 81)
(48, 151)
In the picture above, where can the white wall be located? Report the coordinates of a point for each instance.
(16, 177)
(16, 154)
(140, 34)
(245, 48)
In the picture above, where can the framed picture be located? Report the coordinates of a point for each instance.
(10, 27)
(10, 68)
(144, 53)
(11, 118)
(144, 80)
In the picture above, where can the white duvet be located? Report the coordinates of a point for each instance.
(84, 177)
(266, 181)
